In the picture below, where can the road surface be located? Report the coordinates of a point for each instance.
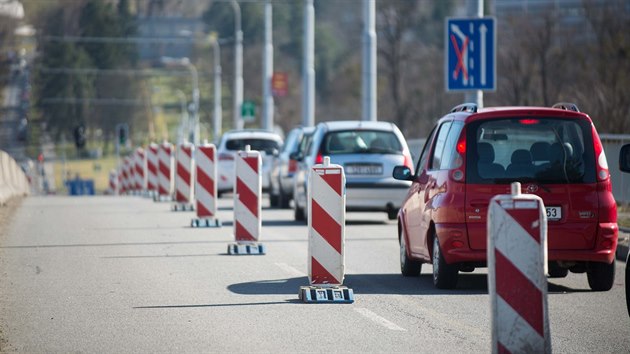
(125, 274)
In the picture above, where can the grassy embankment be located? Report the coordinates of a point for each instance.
(163, 124)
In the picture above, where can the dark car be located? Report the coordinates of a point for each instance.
(624, 165)
(472, 155)
(285, 165)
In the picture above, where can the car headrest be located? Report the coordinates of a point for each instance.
(485, 151)
(521, 156)
(540, 151)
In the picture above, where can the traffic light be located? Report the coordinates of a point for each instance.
(79, 136)
(122, 135)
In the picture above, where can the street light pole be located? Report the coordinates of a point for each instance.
(308, 66)
(238, 66)
(369, 61)
(268, 108)
(184, 123)
(194, 129)
(218, 112)
(194, 119)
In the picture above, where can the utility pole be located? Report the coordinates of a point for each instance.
(369, 97)
(308, 67)
(268, 104)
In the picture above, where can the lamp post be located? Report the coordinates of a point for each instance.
(308, 66)
(238, 66)
(194, 127)
(184, 122)
(369, 61)
(268, 108)
(218, 111)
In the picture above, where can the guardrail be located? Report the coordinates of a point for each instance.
(620, 181)
(13, 181)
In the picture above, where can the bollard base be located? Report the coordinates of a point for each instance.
(205, 222)
(320, 294)
(246, 249)
(182, 207)
(162, 198)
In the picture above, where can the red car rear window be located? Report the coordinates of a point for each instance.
(546, 150)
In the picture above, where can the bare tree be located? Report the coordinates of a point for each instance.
(396, 19)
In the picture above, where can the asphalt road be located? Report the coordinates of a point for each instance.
(125, 274)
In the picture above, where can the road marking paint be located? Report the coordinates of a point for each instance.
(378, 319)
(290, 270)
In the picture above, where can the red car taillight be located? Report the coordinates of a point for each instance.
(319, 159)
(292, 166)
(600, 156)
(458, 173)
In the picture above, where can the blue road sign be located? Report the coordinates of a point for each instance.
(470, 54)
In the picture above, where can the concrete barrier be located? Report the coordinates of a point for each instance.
(13, 181)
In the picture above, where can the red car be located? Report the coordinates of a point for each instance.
(472, 155)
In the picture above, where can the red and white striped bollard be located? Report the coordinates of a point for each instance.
(165, 172)
(206, 186)
(517, 264)
(152, 169)
(247, 203)
(184, 173)
(140, 166)
(113, 183)
(326, 231)
(125, 176)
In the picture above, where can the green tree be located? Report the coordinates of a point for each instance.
(100, 19)
(52, 86)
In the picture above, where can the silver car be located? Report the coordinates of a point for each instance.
(368, 152)
(266, 142)
(285, 166)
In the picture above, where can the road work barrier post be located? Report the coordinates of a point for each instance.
(517, 262)
(140, 170)
(126, 176)
(247, 200)
(206, 186)
(121, 179)
(326, 235)
(131, 171)
(113, 183)
(152, 169)
(184, 173)
(165, 172)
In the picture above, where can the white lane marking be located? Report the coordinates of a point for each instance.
(290, 270)
(378, 319)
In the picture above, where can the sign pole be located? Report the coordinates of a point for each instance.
(475, 9)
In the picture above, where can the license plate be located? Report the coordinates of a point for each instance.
(364, 169)
(554, 213)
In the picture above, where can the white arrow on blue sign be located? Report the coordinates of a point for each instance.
(470, 54)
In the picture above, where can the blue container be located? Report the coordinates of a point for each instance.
(80, 187)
